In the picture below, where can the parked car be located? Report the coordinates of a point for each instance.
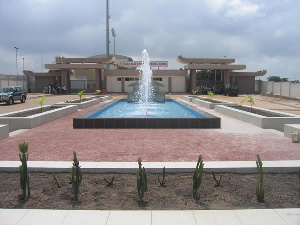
(231, 90)
(12, 94)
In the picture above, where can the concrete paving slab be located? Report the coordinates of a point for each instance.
(45, 217)
(90, 217)
(216, 217)
(129, 218)
(10, 166)
(110, 167)
(173, 217)
(11, 216)
(291, 216)
(259, 217)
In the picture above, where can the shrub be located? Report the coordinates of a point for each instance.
(197, 178)
(211, 95)
(24, 176)
(260, 191)
(248, 99)
(218, 181)
(141, 177)
(76, 177)
(97, 92)
(80, 94)
(162, 182)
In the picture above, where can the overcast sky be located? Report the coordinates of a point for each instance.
(263, 34)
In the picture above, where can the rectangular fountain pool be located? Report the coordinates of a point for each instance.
(121, 114)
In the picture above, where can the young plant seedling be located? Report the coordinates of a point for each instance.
(197, 178)
(24, 176)
(141, 178)
(76, 177)
(41, 102)
(57, 184)
(80, 94)
(162, 182)
(109, 183)
(250, 100)
(260, 190)
(97, 92)
(218, 181)
(211, 95)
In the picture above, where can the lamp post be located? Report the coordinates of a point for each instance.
(114, 36)
(23, 72)
(17, 62)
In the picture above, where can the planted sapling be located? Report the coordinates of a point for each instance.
(250, 100)
(97, 92)
(218, 181)
(57, 184)
(109, 183)
(197, 178)
(260, 191)
(76, 177)
(162, 182)
(211, 95)
(41, 102)
(80, 94)
(24, 176)
(141, 178)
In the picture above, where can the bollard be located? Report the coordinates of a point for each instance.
(295, 137)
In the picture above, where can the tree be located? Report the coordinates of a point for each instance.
(277, 79)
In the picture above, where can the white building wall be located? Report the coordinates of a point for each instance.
(285, 89)
(113, 85)
(178, 84)
(276, 88)
(165, 82)
(270, 87)
(295, 90)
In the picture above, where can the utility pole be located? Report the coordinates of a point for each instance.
(114, 36)
(17, 62)
(107, 28)
(23, 72)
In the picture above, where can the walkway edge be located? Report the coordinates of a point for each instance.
(287, 166)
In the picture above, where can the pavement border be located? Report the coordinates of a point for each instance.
(287, 166)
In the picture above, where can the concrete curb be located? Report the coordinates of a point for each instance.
(288, 166)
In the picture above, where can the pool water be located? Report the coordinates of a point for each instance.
(169, 109)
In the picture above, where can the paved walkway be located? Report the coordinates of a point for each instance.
(236, 141)
(154, 217)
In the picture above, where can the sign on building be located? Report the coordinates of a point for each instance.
(152, 64)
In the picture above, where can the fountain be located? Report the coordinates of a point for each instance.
(146, 107)
(146, 91)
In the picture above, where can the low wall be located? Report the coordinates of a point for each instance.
(16, 123)
(276, 123)
(284, 89)
(81, 105)
(211, 105)
(4, 131)
(289, 128)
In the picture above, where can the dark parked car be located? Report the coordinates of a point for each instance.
(12, 94)
(231, 90)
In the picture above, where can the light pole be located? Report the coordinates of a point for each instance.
(23, 72)
(114, 36)
(17, 62)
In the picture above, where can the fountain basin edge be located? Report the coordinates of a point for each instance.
(83, 122)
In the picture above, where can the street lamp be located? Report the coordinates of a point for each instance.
(17, 62)
(114, 36)
(23, 72)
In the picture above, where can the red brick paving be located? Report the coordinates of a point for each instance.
(56, 140)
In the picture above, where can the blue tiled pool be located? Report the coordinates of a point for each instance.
(120, 114)
(169, 109)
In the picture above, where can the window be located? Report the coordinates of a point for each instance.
(129, 79)
(157, 79)
(119, 79)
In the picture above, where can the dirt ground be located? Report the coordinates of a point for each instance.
(236, 191)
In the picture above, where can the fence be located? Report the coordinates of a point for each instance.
(13, 80)
(284, 89)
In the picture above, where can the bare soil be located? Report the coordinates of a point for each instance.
(237, 191)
